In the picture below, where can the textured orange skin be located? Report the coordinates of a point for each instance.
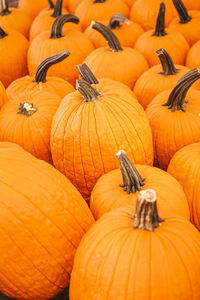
(185, 167)
(32, 7)
(145, 12)
(107, 193)
(126, 33)
(86, 136)
(190, 30)
(173, 130)
(13, 57)
(42, 218)
(174, 43)
(32, 133)
(88, 11)
(151, 83)
(193, 59)
(125, 66)
(43, 47)
(3, 95)
(26, 84)
(115, 261)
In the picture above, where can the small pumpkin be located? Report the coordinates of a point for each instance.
(137, 256)
(175, 125)
(98, 127)
(32, 7)
(193, 59)
(41, 81)
(42, 220)
(126, 31)
(50, 43)
(120, 187)
(89, 10)
(185, 167)
(171, 40)
(121, 64)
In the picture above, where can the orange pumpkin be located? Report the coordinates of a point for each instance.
(121, 64)
(38, 207)
(173, 124)
(26, 121)
(120, 187)
(89, 10)
(137, 256)
(41, 81)
(129, 2)
(72, 5)
(158, 78)
(3, 95)
(185, 167)
(14, 48)
(192, 4)
(50, 43)
(32, 7)
(171, 40)
(126, 31)
(97, 128)
(193, 58)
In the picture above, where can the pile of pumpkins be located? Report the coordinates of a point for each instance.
(100, 149)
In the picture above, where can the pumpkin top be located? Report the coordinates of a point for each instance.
(182, 11)
(56, 29)
(160, 23)
(116, 20)
(89, 93)
(57, 9)
(5, 11)
(86, 74)
(166, 62)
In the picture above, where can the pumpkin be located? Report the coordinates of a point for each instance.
(98, 127)
(32, 7)
(193, 59)
(192, 5)
(72, 5)
(42, 218)
(89, 10)
(144, 12)
(120, 187)
(129, 2)
(185, 167)
(40, 81)
(3, 95)
(13, 19)
(121, 64)
(50, 43)
(126, 31)
(137, 256)
(173, 124)
(26, 121)
(14, 48)
(171, 40)
(187, 23)
(158, 78)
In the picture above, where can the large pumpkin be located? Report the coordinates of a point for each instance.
(42, 220)
(138, 256)
(86, 133)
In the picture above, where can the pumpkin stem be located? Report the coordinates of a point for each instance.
(176, 100)
(116, 20)
(99, 1)
(160, 23)
(132, 180)
(26, 109)
(51, 5)
(146, 213)
(86, 74)
(2, 33)
(57, 9)
(56, 28)
(182, 11)
(4, 5)
(110, 37)
(89, 93)
(41, 73)
(166, 62)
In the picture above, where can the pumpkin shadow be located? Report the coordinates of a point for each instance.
(62, 296)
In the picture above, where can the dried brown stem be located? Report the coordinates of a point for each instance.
(89, 93)
(86, 74)
(166, 62)
(160, 23)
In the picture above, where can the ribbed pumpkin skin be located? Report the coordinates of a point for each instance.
(53, 85)
(173, 130)
(42, 218)
(86, 136)
(115, 261)
(185, 167)
(193, 59)
(32, 7)
(33, 132)
(107, 193)
(3, 95)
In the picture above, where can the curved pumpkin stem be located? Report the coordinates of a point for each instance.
(56, 28)
(51, 5)
(116, 20)
(4, 5)
(132, 180)
(26, 109)
(160, 23)
(182, 11)
(57, 9)
(89, 93)
(166, 62)
(110, 37)
(86, 74)
(2, 33)
(41, 73)
(176, 100)
(146, 213)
